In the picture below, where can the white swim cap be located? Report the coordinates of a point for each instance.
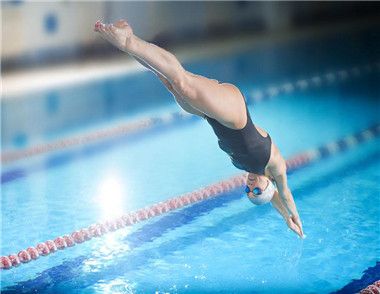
(265, 196)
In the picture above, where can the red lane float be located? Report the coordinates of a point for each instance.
(42, 249)
(77, 237)
(33, 253)
(14, 260)
(5, 262)
(60, 243)
(214, 190)
(51, 246)
(24, 256)
(69, 241)
(120, 130)
(372, 289)
(97, 230)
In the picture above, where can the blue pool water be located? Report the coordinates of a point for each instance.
(224, 244)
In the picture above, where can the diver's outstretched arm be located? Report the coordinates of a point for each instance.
(277, 202)
(277, 171)
(287, 198)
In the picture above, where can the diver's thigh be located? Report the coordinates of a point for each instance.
(223, 102)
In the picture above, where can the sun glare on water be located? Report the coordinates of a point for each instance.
(111, 196)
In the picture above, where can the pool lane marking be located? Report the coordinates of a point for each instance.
(214, 190)
(254, 95)
(88, 138)
(319, 80)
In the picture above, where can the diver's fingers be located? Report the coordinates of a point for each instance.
(293, 227)
(298, 232)
(295, 230)
(300, 228)
(299, 225)
(297, 221)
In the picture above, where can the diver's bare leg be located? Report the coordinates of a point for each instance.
(222, 102)
(181, 102)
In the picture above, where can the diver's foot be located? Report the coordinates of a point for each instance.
(119, 34)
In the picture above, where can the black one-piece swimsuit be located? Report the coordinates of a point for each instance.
(247, 148)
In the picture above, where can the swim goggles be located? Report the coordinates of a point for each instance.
(256, 191)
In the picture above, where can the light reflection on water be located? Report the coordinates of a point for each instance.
(112, 195)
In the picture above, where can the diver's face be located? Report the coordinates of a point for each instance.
(256, 181)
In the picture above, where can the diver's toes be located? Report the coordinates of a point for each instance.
(98, 24)
(112, 28)
(103, 28)
(109, 28)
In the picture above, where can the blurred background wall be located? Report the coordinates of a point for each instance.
(35, 32)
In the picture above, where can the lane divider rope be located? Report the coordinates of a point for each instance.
(113, 132)
(371, 289)
(171, 118)
(315, 81)
(96, 230)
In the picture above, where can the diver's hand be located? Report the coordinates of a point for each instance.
(296, 219)
(294, 223)
(119, 34)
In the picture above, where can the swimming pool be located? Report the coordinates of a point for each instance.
(222, 244)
